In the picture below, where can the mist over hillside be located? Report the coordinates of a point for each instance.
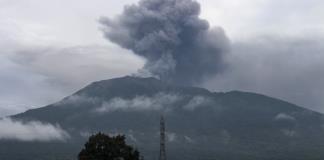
(199, 123)
(179, 63)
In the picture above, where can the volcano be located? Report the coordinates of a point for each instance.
(200, 124)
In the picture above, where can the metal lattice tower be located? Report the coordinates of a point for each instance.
(162, 139)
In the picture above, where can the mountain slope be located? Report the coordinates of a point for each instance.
(200, 124)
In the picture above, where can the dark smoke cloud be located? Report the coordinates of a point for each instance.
(178, 45)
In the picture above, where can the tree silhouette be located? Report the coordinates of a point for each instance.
(104, 147)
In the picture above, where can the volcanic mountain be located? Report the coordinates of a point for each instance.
(200, 124)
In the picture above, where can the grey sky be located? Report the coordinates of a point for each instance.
(49, 49)
(291, 69)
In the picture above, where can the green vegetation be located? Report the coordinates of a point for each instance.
(104, 147)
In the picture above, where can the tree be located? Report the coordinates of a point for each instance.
(104, 147)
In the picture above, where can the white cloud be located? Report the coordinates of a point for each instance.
(31, 131)
(156, 102)
(196, 101)
(159, 101)
(284, 116)
(171, 137)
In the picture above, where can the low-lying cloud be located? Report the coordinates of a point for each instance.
(31, 131)
(156, 102)
(197, 101)
(284, 116)
(160, 101)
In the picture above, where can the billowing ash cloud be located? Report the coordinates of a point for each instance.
(178, 45)
(31, 131)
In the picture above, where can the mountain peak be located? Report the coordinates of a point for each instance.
(130, 86)
(130, 79)
(201, 121)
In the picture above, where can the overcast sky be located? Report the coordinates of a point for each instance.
(49, 49)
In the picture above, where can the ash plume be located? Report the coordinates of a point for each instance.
(179, 46)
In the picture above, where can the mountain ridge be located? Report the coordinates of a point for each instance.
(200, 123)
(99, 83)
